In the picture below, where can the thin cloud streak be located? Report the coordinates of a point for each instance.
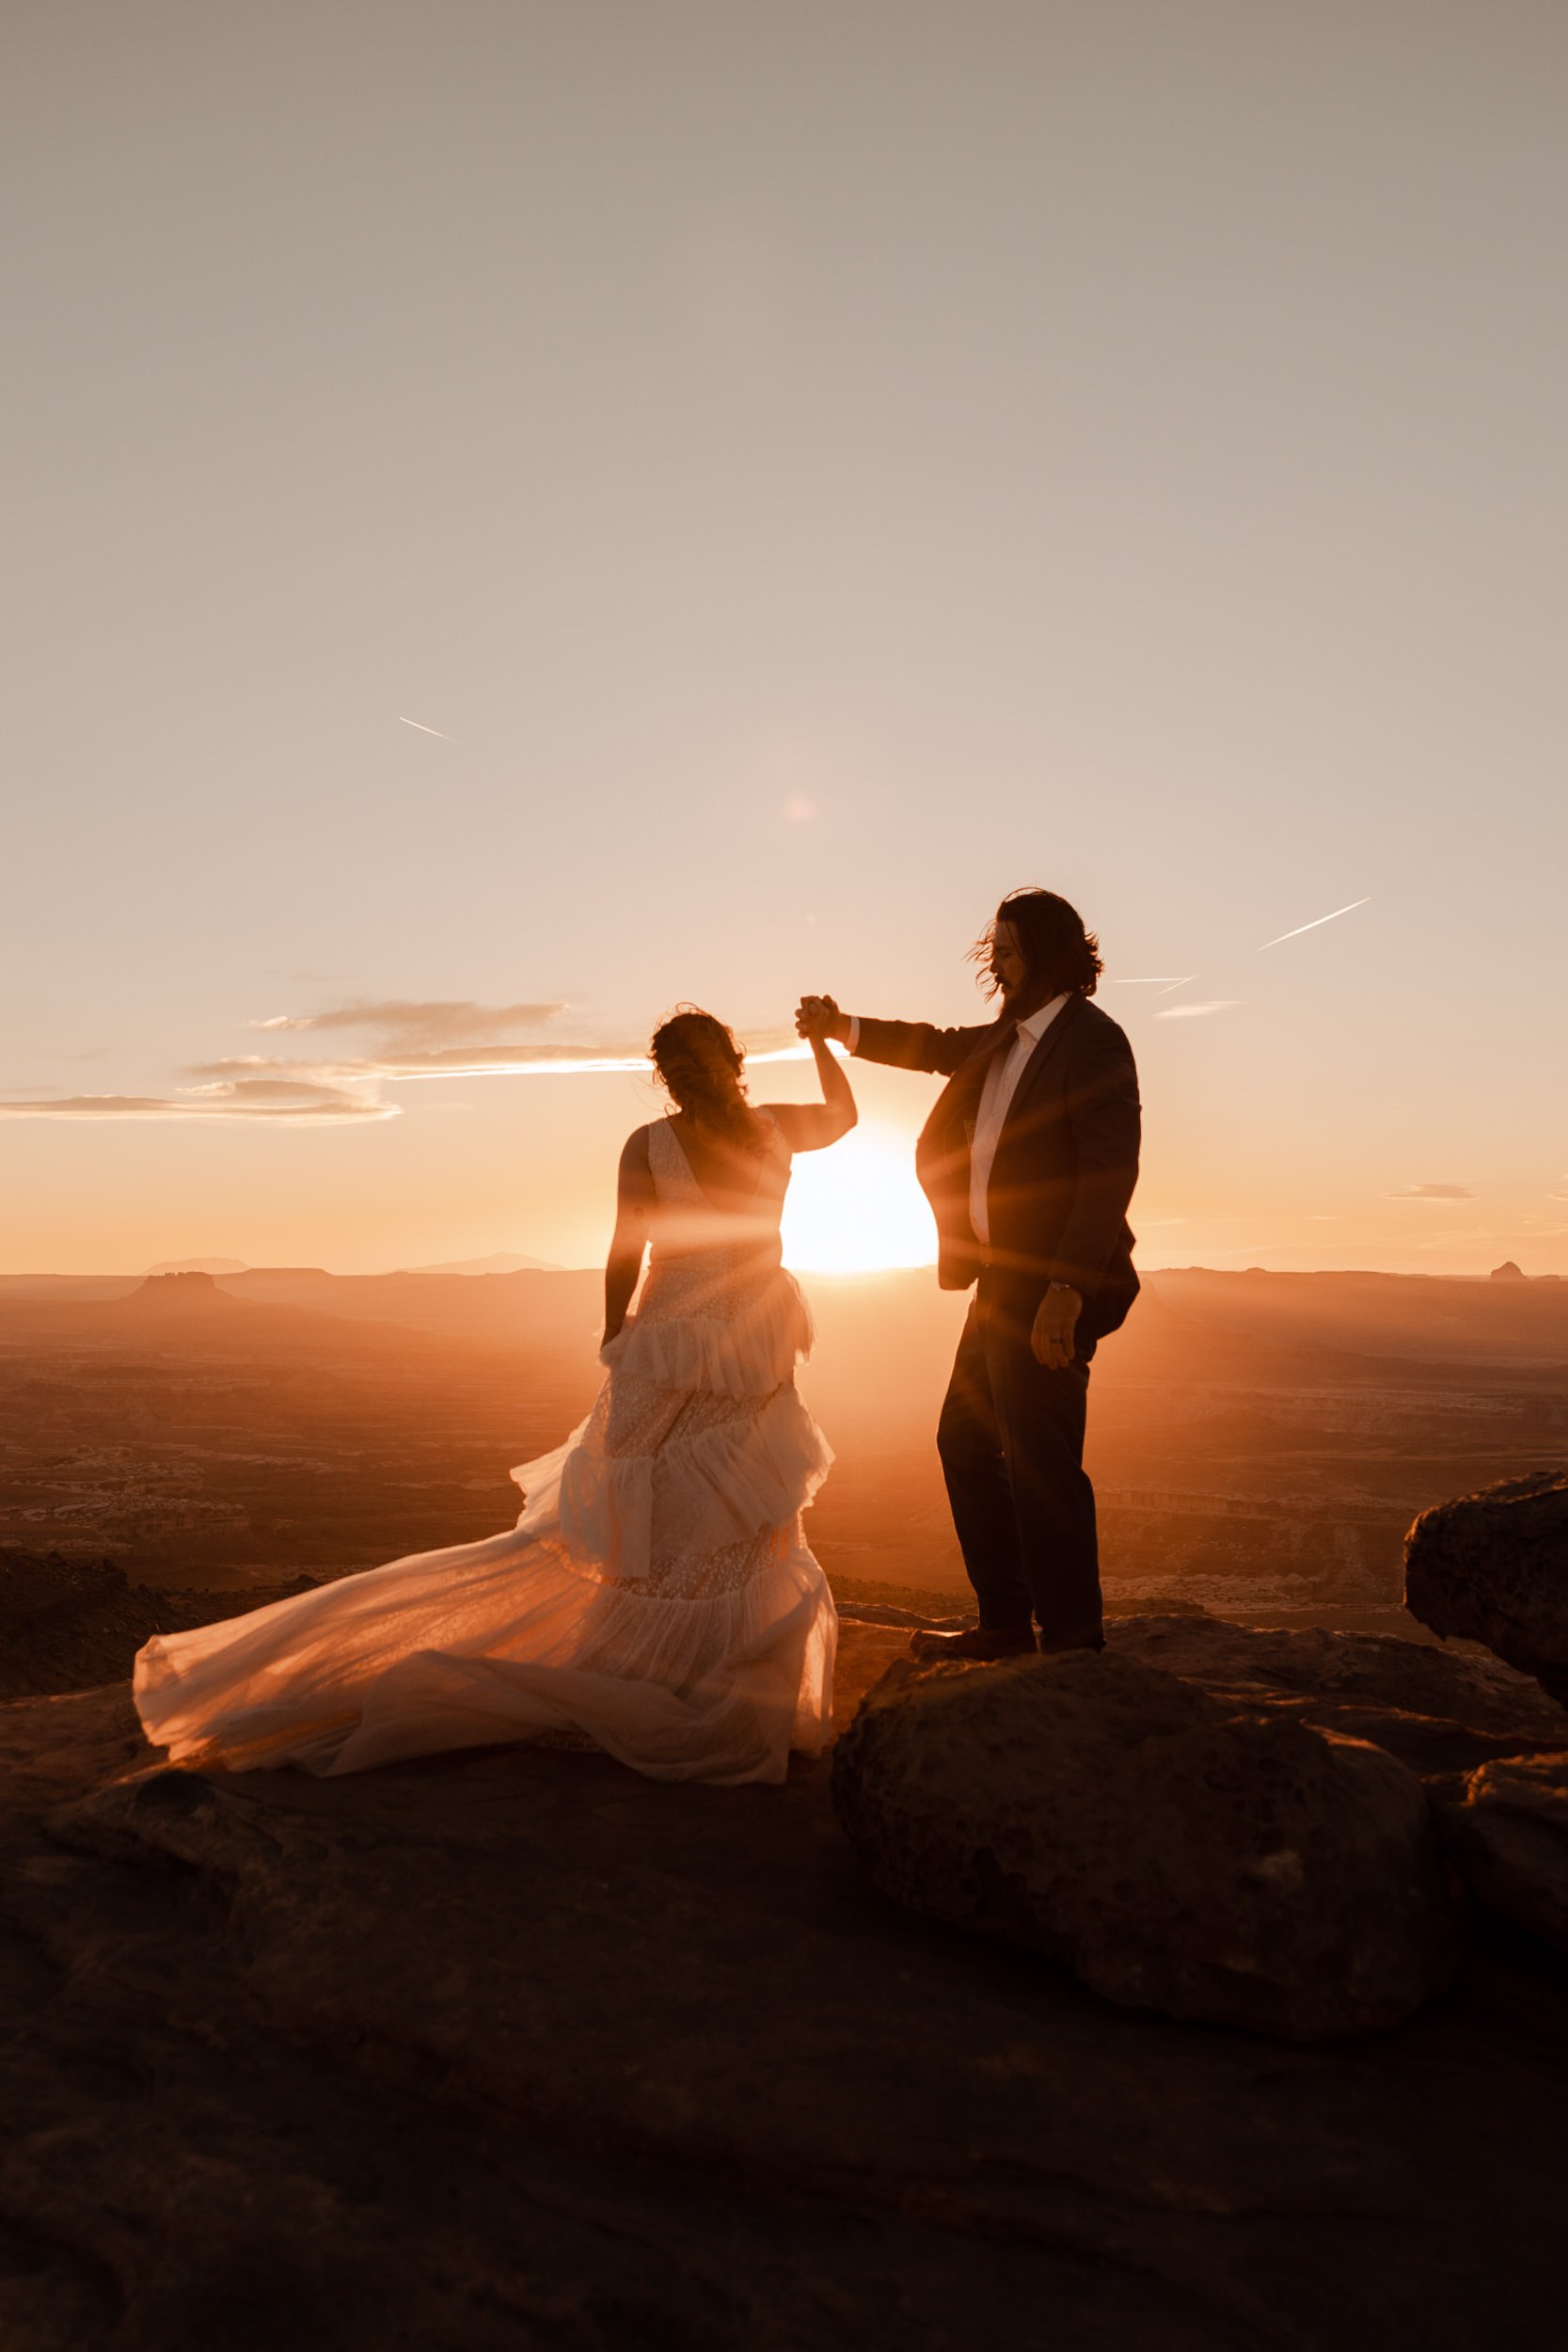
(569, 1061)
(1194, 1012)
(1431, 1192)
(207, 1105)
(449, 1038)
(253, 1091)
(419, 1021)
(423, 729)
(409, 1039)
(1315, 925)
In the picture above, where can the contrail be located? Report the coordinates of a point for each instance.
(1315, 924)
(423, 730)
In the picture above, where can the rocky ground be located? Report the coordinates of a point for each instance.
(516, 2049)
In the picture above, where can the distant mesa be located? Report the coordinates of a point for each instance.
(198, 1265)
(1509, 1272)
(194, 1292)
(503, 1262)
(263, 1278)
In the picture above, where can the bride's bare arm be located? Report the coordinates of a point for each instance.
(812, 1126)
(634, 1214)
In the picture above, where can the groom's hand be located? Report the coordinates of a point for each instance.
(819, 1016)
(1055, 1322)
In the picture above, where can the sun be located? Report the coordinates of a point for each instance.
(857, 1209)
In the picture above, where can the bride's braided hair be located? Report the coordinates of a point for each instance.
(700, 1064)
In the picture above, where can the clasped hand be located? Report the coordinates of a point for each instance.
(818, 1017)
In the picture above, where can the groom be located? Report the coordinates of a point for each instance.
(1028, 1160)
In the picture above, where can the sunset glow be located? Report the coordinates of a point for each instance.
(858, 1209)
(679, 626)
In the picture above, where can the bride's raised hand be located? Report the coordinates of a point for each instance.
(809, 1126)
(818, 1017)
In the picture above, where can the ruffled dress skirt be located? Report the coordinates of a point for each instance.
(656, 1598)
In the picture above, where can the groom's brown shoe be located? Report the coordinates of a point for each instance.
(982, 1643)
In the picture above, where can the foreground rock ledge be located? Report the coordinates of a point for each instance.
(1175, 1854)
(514, 2049)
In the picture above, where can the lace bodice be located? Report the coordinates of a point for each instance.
(687, 1221)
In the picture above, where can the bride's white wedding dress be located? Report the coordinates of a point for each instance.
(656, 1594)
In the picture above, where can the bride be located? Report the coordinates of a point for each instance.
(656, 1597)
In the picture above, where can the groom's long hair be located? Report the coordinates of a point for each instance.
(1062, 954)
(699, 1063)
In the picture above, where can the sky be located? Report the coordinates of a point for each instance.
(519, 516)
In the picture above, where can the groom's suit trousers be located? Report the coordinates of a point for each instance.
(1011, 1440)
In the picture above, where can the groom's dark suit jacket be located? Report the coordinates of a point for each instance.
(1065, 1167)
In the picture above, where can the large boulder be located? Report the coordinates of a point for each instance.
(1493, 1567)
(1175, 1854)
(1509, 1835)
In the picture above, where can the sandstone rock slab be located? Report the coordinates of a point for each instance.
(1439, 1711)
(1175, 1855)
(1509, 1835)
(1493, 1567)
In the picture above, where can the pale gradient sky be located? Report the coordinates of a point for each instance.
(813, 466)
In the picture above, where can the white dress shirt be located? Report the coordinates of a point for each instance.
(1001, 1083)
(995, 1096)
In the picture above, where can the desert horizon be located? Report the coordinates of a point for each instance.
(515, 1262)
(1260, 1441)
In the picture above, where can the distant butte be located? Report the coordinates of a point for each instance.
(198, 1265)
(192, 1291)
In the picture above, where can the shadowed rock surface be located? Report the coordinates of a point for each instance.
(74, 1625)
(1493, 1567)
(1439, 1710)
(1508, 1835)
(515, 2049)
(1175, 1855)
